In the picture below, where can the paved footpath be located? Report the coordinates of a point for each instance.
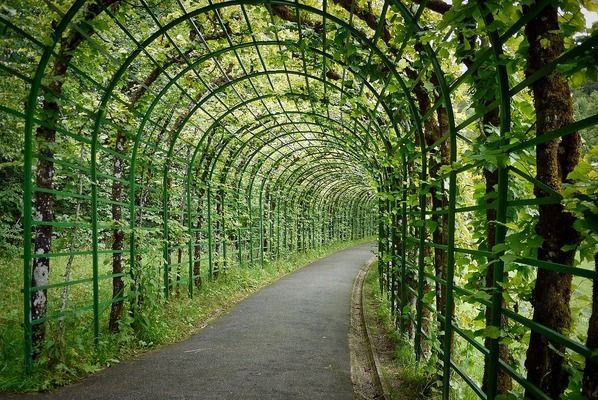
(288, 341)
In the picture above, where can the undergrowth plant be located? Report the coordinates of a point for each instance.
(73, 355)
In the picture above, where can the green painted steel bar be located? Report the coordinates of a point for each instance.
(165, 239)
(404, 242)
(235, 2)
(140, 130)
(498, 278)
(239, 240)
(382, 232)
(274, 165)
(325, 195)
(28, 180)
(257, 135)
(333, 198)
(549, 333)
(333, 192)
(133, 248)
(447, 336)
(263, 185)
(239, 150)
(486, 53)
(244, 103)
(210, 237)
(261, 226)
(421, 278)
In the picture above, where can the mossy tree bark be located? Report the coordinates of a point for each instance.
(504, 382)
(469, 43)
(590, 373)
(440, 202)
(554, 160)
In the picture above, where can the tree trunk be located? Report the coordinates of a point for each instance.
(118, 235)
(431, 134)
(425, 316)
(590, 374)
(205, 157)
(440, 201)
(198, 238)
(503, 380)
(554, 161)
(118, 238)
(43, 203)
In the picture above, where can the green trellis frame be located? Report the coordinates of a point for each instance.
(297, 177)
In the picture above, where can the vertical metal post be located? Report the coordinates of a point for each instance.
(270, 229)
(27, 216)
(28, 180)
(404, 244)
(94, 233)
(261, 233)
(222, 234)
(285, 224)
(389, 245)
(381, 239)
(501, 204)
(421, 277)
(448, 331)
(395, 310)
(278, 204)
(165, 233)
(191, 243)
(239, 233)
(210, 250)
(312, 232)
(224, 239)
(250, 230)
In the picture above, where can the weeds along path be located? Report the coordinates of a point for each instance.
(288, 341)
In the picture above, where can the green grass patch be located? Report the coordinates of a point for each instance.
(70, 353)
(407, 378)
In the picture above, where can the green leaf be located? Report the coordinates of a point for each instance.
(499, 247)
(508, 258)
(581, 171)
(591, 5)
(492, 332)
(569, 247)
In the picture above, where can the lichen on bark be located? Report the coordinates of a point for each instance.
(554, 160)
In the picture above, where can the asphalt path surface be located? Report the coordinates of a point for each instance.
(287, 341)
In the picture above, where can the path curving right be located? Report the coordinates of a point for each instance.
(288, 341)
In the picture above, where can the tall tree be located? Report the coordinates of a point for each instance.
(43, 201)
(486, 91)
(202, 171)
(118, 168)
(555, 159)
